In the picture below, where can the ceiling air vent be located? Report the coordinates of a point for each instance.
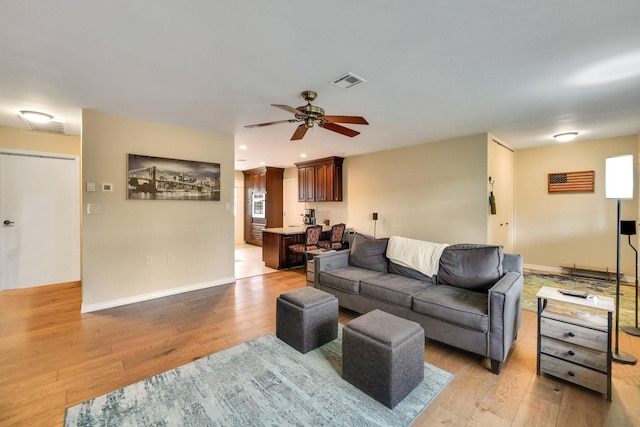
(348, 80)
(50, 127)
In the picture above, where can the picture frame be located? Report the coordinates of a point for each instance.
(158, 178)
(571, 182)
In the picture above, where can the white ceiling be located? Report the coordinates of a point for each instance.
(522, 70)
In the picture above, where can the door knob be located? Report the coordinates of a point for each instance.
(7, 222)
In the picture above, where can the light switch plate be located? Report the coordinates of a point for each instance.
(107, 187)
(91, 186)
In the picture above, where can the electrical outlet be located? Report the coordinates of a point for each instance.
(170, 257)
(148, 259)
(93, 208)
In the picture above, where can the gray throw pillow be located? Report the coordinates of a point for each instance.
(369, 252)
(469, 266)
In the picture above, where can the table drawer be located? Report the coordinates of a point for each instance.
(574, 334)
(573, 373)
(574, 353)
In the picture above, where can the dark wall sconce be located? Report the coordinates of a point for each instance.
(375, 222)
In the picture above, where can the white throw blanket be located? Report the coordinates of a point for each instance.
(417, 254)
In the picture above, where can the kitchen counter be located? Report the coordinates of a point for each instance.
(289, 230)
(276, 241)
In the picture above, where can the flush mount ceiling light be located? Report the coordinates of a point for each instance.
(565, 137)
(35, 116)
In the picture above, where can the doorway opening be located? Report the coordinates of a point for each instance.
(248, 261)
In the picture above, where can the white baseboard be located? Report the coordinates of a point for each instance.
(87, 308)
(558, 270)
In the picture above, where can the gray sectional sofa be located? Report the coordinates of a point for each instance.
(470, 299)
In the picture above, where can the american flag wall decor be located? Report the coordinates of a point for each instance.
(571, 182)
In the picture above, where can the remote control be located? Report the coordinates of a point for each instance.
(571, 293)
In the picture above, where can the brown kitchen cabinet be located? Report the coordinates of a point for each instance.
(320, 180)
(264, 181)
(276, 242)
(306, 183)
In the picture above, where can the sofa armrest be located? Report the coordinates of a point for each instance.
(505, 314)
(329, 261)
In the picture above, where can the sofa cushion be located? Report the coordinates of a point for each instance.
(454, 305)
(369, 252)
(475, 267)
(401, 270)
(391, 288)
(346, 279)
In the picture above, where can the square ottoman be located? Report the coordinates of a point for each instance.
(306, 318)
(383, 355)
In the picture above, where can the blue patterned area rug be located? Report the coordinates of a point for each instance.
(262, 382)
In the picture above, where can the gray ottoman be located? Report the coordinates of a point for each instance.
(306, 318)
(383, 355)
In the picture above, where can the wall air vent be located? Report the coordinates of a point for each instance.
(347, 80)
(50, 127)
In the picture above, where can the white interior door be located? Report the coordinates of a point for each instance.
(40, 214)
(501, 225)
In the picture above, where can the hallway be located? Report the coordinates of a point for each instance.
(248, 261)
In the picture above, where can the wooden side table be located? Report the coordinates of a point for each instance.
(574, 344)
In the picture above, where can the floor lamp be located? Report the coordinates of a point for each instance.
(628, 228)
(619, 185)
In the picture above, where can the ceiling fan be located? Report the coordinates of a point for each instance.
(310, 115)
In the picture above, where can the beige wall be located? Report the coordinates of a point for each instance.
(18, 139)
(116, 241)
(566, 229)
(435, 191)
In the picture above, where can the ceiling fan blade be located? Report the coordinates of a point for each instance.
(356, 120)
(299, 133)
(289, 109)
(271, 123)
(340, 129)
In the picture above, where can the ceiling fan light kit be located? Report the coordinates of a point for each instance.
(310, 115)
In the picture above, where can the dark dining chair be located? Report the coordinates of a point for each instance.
(311, 238)
(335, 239)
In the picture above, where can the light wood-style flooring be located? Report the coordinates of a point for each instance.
(52, 357)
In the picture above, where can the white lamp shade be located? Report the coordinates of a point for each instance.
(619, 177)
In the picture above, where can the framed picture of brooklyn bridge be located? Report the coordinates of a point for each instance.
(157, 178)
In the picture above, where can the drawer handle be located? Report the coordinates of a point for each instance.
(571, 353)
(571, 334)
(571, 374)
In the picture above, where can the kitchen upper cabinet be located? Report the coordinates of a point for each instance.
(306, 183)
(320, 180)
